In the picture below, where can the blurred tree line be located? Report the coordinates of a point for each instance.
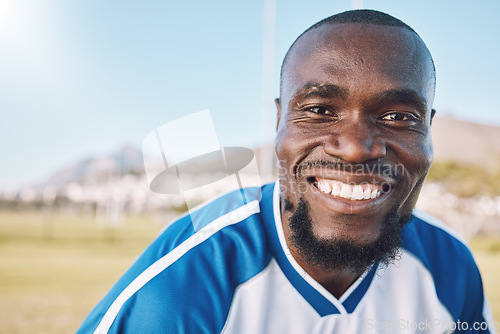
(466, 180)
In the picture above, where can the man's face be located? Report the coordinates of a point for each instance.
(353, 139)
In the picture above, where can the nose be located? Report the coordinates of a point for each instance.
(356, 141)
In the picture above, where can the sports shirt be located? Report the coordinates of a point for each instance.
(226, 268)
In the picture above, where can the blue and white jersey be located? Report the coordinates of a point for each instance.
(226, 268)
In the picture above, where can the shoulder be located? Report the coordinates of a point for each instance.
(449, 260)
(432, 241)
(209, 219)
(187, 276)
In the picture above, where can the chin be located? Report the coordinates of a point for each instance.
(345, 242)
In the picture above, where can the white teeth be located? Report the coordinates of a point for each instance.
(357, 192)
(321, 185)
(346, 191)
(352, 192)
(326, 187)
(335, 190)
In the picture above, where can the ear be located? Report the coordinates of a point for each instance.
(433, 112)
(278, 112)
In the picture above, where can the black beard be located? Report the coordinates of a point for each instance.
(344, 253)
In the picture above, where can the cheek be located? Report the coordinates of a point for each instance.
(421, 157)
(285, 152)
(294, 140)
(289, 145)
(414, 156)
(416, 160)
(282, 149)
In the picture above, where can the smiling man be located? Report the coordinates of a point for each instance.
(354, 141)
(335, 245)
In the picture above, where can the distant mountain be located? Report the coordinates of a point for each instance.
(467, 142)
(127, 160)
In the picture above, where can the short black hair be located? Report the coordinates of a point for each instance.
(368, 16)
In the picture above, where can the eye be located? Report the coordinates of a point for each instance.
(398, 117)
(320, 110)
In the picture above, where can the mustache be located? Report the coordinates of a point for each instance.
(372, 167)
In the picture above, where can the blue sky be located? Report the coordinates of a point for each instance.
(80, 78)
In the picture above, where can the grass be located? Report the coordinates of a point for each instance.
(54, 269)
(487, 254)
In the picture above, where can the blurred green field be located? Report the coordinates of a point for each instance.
(54, 269)
(487, 254)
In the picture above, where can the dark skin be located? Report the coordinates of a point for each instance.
(359, 94)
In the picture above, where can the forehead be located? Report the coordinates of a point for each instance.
(353, 54)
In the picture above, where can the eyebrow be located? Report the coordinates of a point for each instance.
(320, 90)
(404, 96)
(391, 96)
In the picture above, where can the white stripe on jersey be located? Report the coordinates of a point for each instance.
(163, 263)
